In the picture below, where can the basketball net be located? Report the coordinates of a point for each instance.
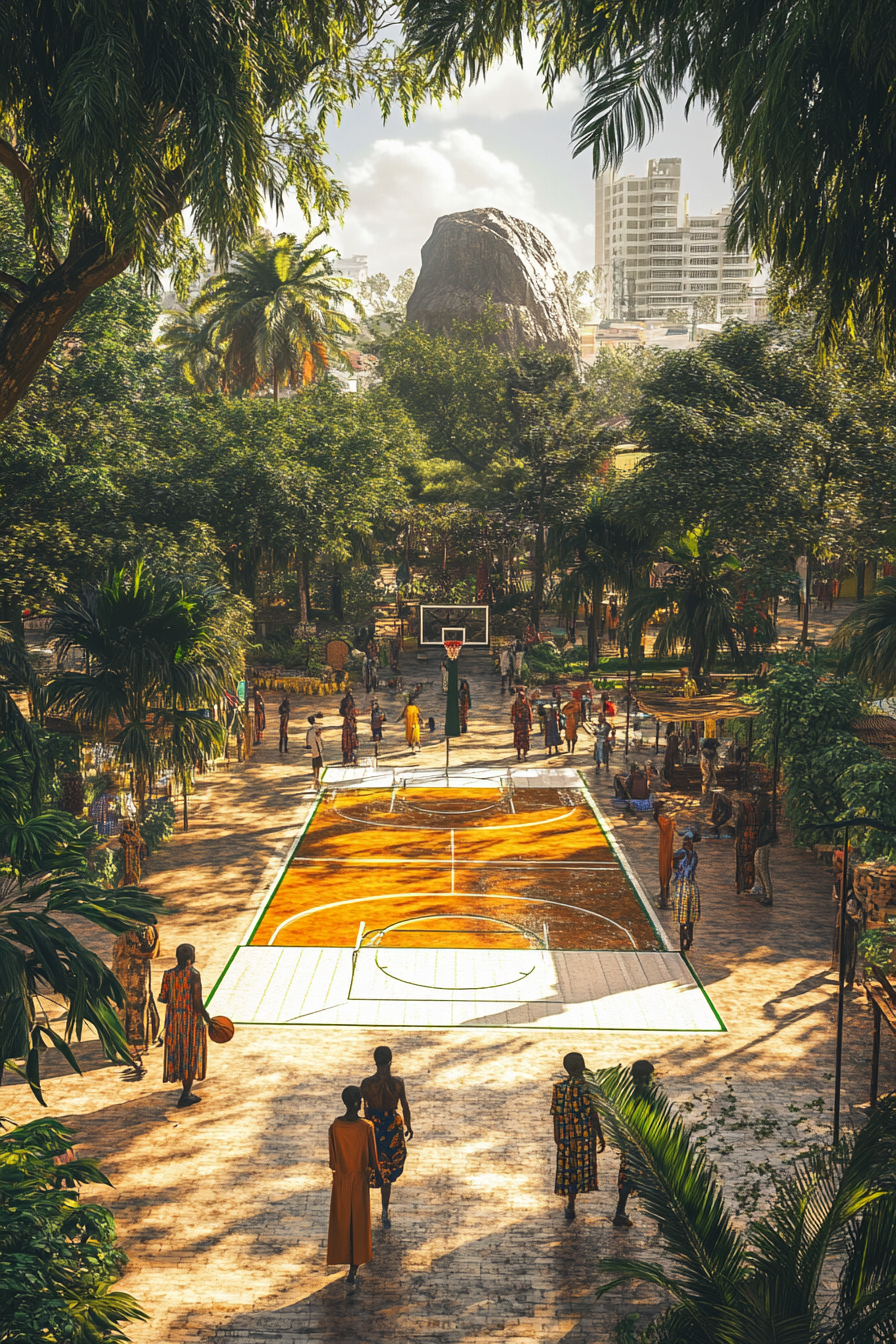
(453, 648)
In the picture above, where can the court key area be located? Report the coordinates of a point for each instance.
(460, 905)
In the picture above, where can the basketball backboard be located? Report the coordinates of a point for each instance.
(468, 623)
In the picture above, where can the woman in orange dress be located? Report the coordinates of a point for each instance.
(667, 844)
(353, 1162)
(186, 1040)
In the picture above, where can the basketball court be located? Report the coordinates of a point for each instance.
(416, 897)
(459, 900)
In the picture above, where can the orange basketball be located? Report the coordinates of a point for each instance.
(220, 1029)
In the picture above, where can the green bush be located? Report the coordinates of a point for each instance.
(878, 946)
(157, 826)
(827, 771)
(59, 1257)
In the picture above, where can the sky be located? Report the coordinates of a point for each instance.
(499, 146)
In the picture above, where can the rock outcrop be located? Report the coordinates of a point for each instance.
(476, 254)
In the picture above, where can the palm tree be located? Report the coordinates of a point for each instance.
(703, 591)
(866, 639)
(158, 654)
(194, 345)
(836, 1213)
(275, 312)
(595, 548)
(44, 876)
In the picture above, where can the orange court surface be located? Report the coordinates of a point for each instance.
(459, 905)
(455, 868)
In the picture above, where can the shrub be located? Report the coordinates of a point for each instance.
(157, 826)
(59, 1257)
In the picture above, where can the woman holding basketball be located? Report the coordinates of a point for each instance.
(186, 1043)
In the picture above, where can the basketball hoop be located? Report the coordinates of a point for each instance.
(453, 648)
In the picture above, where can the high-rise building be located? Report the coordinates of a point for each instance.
(653, 255)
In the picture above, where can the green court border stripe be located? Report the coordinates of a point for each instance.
(630, 876)
(629, 873)
(222, 975)
(300, 836)
(705, 993)
(645, 904)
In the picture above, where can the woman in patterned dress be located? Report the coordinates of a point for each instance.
(521, 716)
(139, 1017)
(464, 703)
(349, 729)
(186, 1042)
(577, 1133)
(686, 893)
(383, 1092)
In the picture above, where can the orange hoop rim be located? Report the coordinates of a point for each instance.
(453, 648)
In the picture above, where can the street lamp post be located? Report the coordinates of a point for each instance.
(845, 823)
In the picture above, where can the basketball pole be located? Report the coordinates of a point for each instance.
(452, 711)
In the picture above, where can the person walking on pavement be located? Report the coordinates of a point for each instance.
(764, 836)
(686, 898)
(349, 729)
(354, 1163)
(577, 1133)
(186, 1021)
(571, 724)
(464, 703)
(666, 846)
(314, 743)
(746, 829)
(284, 709)
(377, 719)
(383, 1093)
(260, 716)
(505, 667)
(521, 716)
(642, 1072)
(518, 653)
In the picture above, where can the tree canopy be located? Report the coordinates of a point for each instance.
(801, 94)
(118, 118)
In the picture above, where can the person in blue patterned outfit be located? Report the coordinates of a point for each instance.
(383, 1092)
(577, 1133)
(685, 892)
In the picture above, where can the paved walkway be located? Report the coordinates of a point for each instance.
(223, 1209)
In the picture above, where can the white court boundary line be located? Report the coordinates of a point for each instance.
(478, 895)
(627, 868)
(440, 830)
(567, 865)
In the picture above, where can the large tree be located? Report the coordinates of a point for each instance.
(801, 94)
(116, 118)
(777, 457)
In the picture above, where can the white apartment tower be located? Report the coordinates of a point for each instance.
(650, 262)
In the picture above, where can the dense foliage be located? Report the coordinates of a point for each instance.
(801, 96)
(833, 1216)
(118, 119)
(828, 773)
(59, 1257)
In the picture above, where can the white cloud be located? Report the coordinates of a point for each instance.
(506, 91)
(399, 189)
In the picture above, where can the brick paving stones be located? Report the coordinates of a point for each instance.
(223, 1209)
